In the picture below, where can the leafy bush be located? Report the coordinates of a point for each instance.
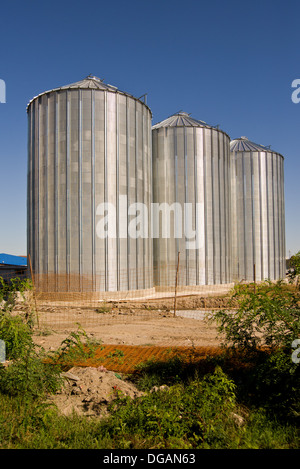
(264, 327)
(29, 376)
(182, 416)
(76, 347)
(266, 316)
(294, 268)
(9, 291)
(16, 334)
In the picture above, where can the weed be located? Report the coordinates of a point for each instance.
(105, 308)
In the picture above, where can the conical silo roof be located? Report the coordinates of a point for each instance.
(91, 82)
(181, 119)
(243, 144)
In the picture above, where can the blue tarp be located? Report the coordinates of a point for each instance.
(8, 259)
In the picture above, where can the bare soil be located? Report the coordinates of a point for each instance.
(89, 390)
(129, 323)
(132, 323)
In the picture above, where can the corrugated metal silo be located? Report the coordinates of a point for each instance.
(258, 211)
(191, 169)
(89, 145)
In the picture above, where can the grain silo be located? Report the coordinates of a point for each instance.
(258, 211)
(191, 189)
(89, 148)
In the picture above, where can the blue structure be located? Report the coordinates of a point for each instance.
(8, 259)
(12, 266)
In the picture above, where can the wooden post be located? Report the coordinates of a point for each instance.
(254, 277)
(176, 282)
(32, 278)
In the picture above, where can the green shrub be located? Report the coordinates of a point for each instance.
(76, 347)
(30, 376)
(267, 316)
(263, 328)
(182, 416)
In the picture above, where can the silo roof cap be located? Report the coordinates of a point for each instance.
(91, 82)
(243, 144)
(181, 119)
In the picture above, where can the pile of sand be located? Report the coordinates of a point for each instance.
(88, 390)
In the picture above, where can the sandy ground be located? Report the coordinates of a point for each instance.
(88, 390)
(132, 323)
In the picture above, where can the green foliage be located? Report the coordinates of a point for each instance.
(9, 291)
(274, 384)
(294, 268)
(156, 372)
(193, 412)
(15, 330)
(264, 327)
(29, 376)
(16, 333)
(182, 416)
(266, 316)
(76, 347)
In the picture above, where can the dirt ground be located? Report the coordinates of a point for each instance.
(132, 323)
(89, 389)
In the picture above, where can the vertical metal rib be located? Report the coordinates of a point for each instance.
(118, 189)
(46, 187)
(68, 183)
(221, 227)
(261, 221)
(136, 197)
(244, 217)
(105, 188)
(144, 187)
(205, 207)
(273, 220)
(38, 189)
(80, 184)
(149, 201)
(127, 190)
(279, 255)
(253, 214)
(93, 193)
(196, 192)
(186, 201)
(268, 215)
(224, 196)
(176, 185)
(56, 183)
(213, 208)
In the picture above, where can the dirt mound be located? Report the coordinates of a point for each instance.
(88, 390)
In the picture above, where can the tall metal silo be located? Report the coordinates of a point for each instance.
(258, 211)
(89, 160)
(191, 180)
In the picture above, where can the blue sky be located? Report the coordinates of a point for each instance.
(230, 63)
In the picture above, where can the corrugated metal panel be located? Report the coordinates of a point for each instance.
(258, 214)
(88, 145)
(191, 166)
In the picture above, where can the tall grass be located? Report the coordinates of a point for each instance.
(225, 402)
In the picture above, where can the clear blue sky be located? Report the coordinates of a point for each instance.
(226, 62)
